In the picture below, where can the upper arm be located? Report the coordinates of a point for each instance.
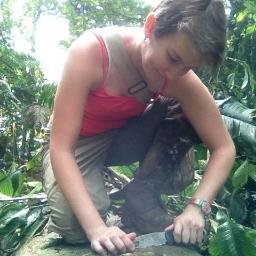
(201, 110)
(82, 72)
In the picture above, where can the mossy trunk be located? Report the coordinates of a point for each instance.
(52, 245)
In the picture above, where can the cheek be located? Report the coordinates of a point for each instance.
(157, 60)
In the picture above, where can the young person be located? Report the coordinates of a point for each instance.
(93, 102)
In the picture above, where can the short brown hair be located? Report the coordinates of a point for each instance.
(203, 20)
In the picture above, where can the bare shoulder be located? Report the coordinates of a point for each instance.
(84, 60)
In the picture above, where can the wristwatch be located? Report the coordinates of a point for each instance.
(202, 204)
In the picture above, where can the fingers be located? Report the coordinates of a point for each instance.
(188, 231)
(177, 232)
(200, 236)
(109, 245)
(193, 235)
(132, 235)
(114, 242)
(128, 243)
(116, 245)
(97, 247)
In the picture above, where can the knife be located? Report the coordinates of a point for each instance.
(154, 239)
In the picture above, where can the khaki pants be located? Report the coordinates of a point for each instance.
(90, 155)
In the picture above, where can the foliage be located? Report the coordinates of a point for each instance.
(236, 78)
(241, 122)
(84, 14)
(233, 239)
(6, 22)
(21, 219)
(26, 102)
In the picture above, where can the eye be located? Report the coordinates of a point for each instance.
(173, 60)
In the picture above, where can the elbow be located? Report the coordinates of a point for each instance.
(229, 152)
(58, 148)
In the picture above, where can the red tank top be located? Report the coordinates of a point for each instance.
(102, 111)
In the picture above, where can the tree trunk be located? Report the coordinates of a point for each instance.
(52, 245)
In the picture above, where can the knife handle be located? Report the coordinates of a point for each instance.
(169, 237)
(170, 241)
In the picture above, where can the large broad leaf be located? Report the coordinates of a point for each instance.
(240, 177)
(19, 221)
(12, 183)
(5, 185)
(33, 229)
(242, 174)
(19, 216)
(237, 110)
(244, 136)
(233, 239)
(241, 123)
(237, 207)
(8, 210)
(11, 226)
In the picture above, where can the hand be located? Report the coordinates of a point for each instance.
(112, 239)
(189, 226)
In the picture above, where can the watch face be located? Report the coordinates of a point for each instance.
(204, 205)
(206, 208)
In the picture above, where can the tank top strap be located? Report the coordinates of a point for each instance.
(105, 57)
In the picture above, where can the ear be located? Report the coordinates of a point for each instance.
(149, 25)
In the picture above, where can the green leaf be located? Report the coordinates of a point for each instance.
(18, 216)
(237, 207)
(200, 152)
(17, 181)
(243, 136)
(233, 239)
(33, 229)
(8, 210)
(11, 226)
(240, 177)
(233, 108)
(245, 79)
(231, 80)
(241, 16)
(252, 171)
(221, 217)
(11, 242)
(251, 29)
(6, 186)
(37, 187)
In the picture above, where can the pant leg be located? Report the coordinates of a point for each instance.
(90, 155)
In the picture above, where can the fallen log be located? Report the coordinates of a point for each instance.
(52, 245)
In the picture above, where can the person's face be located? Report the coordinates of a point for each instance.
(169, 56)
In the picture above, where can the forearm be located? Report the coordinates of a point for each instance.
(71, 183)
(216, 173)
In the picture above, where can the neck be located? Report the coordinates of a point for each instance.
(134, 46)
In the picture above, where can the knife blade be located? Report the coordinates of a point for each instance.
(154, 239)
